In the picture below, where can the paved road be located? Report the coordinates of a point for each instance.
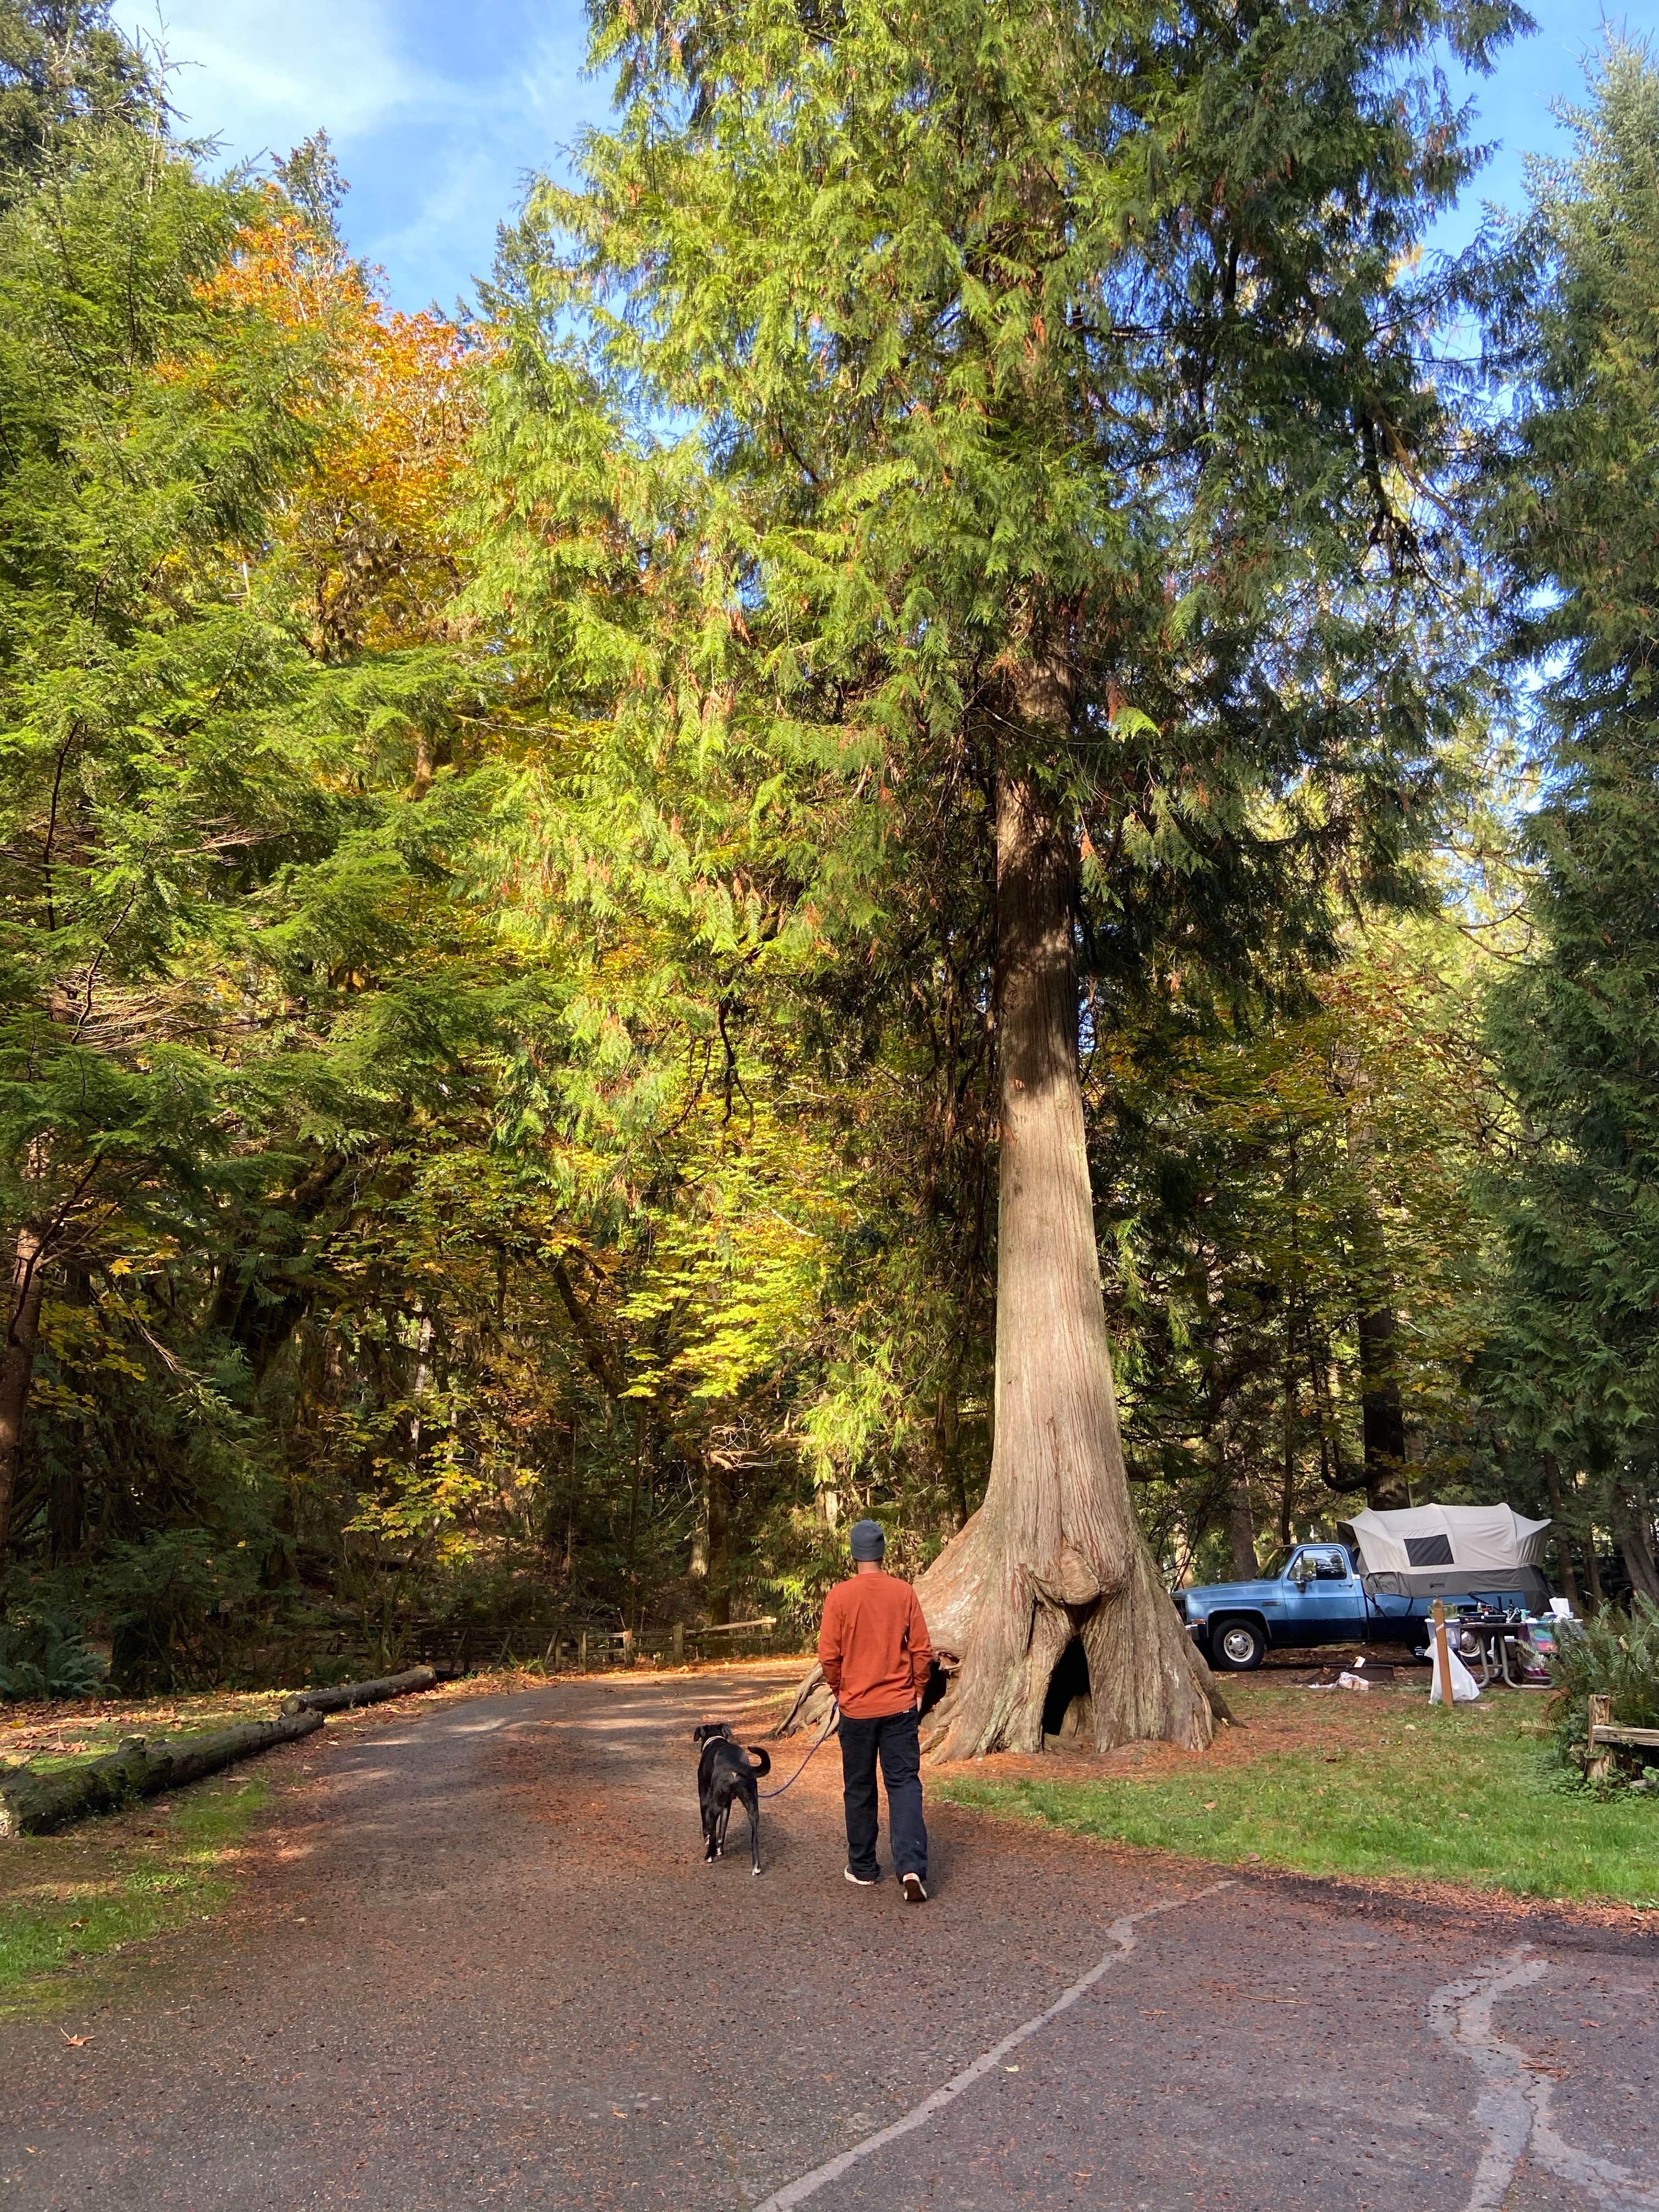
(483, 1966)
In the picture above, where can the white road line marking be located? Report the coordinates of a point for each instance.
(1122, 1934)
(1514, 2105)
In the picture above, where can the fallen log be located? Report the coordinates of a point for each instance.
(32, 1804)
(344, 1695)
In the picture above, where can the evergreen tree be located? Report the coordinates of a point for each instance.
(1062, 385)
(1577, 518)
(63, 65)
(229, 956)
(1242, 1177)
(147, 427)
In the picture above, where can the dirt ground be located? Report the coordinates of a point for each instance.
(476, 1959)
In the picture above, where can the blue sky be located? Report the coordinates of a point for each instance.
(438, 110)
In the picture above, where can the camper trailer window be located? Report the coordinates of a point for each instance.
(1434, 1550)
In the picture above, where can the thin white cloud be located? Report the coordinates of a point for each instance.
(436, 112)
(260, 73)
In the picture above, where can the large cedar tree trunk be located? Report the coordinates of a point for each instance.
(1055, 1552)
(21, 1341)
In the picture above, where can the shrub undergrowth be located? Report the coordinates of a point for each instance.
(1615, 1654)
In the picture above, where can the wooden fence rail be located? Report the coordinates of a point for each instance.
(675, 1645)
(1606, 1738)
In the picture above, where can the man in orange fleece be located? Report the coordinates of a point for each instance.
(875, 1655)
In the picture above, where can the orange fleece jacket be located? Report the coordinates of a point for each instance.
(874, 1646)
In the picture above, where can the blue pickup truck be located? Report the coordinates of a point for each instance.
(1306, 1594)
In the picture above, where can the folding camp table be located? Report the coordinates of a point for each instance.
(1496, 1631)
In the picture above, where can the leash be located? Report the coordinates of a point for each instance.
(823, 1737)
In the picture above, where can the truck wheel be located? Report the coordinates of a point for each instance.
(1236, 1647)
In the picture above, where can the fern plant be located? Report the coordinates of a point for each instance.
(44, 1654)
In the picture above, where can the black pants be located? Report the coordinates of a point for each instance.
(893, 1738)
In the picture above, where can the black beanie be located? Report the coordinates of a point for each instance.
(868, 1540)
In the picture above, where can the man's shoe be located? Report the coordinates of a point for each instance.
(861, 1881)
(915, 1888)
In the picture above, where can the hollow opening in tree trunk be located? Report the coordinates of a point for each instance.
(1068, 1710)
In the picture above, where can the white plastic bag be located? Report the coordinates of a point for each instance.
(1466, 1690)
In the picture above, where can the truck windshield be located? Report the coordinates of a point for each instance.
(1277, 1561)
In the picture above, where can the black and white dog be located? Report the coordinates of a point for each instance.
(723, 1773)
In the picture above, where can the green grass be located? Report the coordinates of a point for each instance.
(1387, 1785)
(78, 1897)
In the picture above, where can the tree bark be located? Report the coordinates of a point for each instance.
(568, 1567)
(720, 1542)
(66, 1510)
(22, 1339)
(344, 1696)
(1225, 1384)
(1381, 1416)
(1593, 1592)
(1632, 1528)
(1056, 1551)
(1241, 1530)
(66, 1496)
(1563, 1535)
(699, 1569)
(632, 1615)
(947, 1440)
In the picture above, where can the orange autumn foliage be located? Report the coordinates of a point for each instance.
(371, 538)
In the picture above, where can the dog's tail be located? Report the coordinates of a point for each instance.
(765, 1759)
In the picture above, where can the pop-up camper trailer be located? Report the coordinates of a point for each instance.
(1446, 1551)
